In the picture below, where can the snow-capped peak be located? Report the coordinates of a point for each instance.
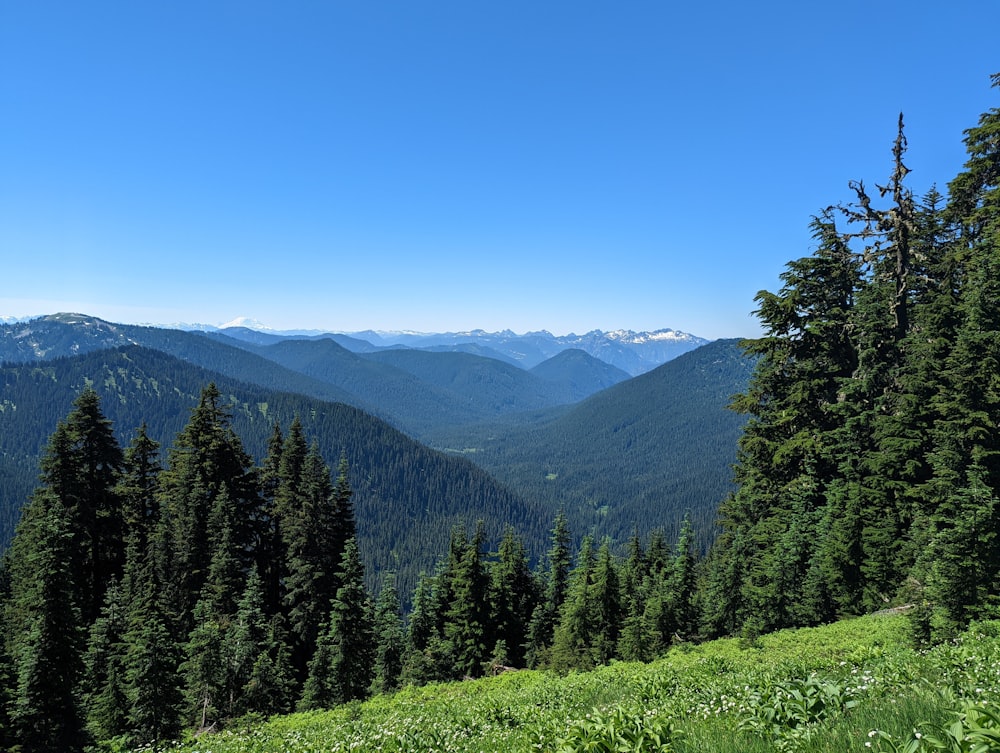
(245, 321)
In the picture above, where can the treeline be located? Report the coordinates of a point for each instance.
(140, 599)
(869, 470)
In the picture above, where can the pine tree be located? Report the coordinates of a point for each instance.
(606, 600)
(153, 686)
(422, 662)
(48, 641)
(137, 488)
(271, 687)
(206, 458)
(467, 616)
(683, 580)
(244, 641)
(634, 641)
(225, 581)
(152, 682)
(572, 641)
(512, 597)
(203, 669)
(961, 515)
(309, 530)
(342, 669)
(103, 683)
(389, 638)
(80, 468)
(270, 551)
(554, 583)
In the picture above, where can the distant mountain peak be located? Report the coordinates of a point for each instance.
(247, 323)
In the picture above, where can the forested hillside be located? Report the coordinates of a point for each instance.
(869, 471)
(407, 496)
(652, 448)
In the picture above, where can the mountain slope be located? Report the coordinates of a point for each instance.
(633, 457)
(579, 374)
(496, 387)
(407, 496)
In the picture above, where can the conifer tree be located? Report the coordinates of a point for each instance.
(309, 529)
(271, 687)
(683, 580)
(342, 668)
(225, 581)
(152, 681)
(554, 583)
(270, 553)
(137, 488)
(467, 615)
(204, 669)
(634, 641)
(606, 600)
(153, 686)
(428, 656)
(206, 458)
(389, 638)
(512, 597)
(572, 641)
(963, 519)
(48, 641)
(244, 641)
(784, 455)
(105, 701)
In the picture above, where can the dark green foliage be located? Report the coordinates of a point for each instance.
(105, 702)
(271, 686)
(203, 668)
(342, 667)
(243, 644)
(390, 640)
(606, 600)
(406, 497)
(311, 533)
(554, 582)
(46, 635)
(513, 596)
(868, 472)
(467, 626)
(153, 682)
(572, 640)
(151, 669)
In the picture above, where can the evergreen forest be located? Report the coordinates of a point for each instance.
(150, 593)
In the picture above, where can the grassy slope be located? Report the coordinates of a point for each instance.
(720, 696)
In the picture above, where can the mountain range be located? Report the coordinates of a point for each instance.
(508, 439)
(632, 352)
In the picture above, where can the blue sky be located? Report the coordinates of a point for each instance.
(454, 165)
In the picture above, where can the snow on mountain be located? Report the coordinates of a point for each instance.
(633, 352)
(246, 321)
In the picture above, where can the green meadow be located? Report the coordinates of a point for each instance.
(855, 685)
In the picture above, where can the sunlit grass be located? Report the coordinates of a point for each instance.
(851, 686)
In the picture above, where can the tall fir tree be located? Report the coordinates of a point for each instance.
(206, 458)
(390, 640)
(342, 667)
(572, 640)
(554, 583)
(467, 625)
(48, 644)
(513, 595)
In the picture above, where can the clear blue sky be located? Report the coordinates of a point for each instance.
(451, 165)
